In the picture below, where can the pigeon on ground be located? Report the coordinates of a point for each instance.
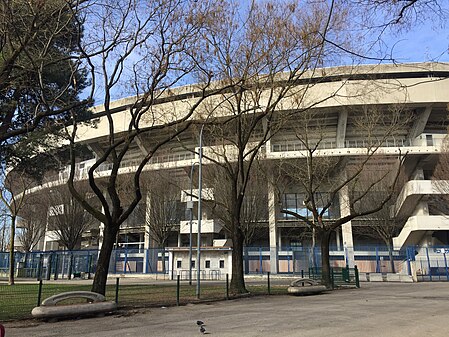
(202, 326)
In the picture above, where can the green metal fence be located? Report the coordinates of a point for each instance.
(339, 276)
(17, 301)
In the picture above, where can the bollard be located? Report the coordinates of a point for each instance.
(178, 284)
(117, 283)
(39, 294)
(227, 286)
(268, 281)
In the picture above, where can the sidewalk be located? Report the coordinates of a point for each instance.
(376, 309)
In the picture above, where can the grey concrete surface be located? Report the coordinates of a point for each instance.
(376, 309)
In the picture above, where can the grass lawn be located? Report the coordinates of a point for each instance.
(16, 302)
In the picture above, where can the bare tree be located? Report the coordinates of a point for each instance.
(67, 218)
(254, 212)
(323, 180)
(159, 41)
(163, 208)
(14, 197)
(33, 222)
(263, 65)
(381, 225)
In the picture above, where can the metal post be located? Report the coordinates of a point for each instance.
(409, 267)
(56, 266)
(227, 286)
(147, 261)
(190, 227)
(200, 187)
(428, 263)
(126, 259)
(377, 260)
(117, 284)
(39, 293)
(39, 267)
(48, 270)
(89, 265)
(178, 285)
(115, 260)
(268, 283)
(445, 264)
(87, 262)
(357, 279)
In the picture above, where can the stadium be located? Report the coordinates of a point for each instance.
(342, 113)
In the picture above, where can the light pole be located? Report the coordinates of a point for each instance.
(190, 207)
(200, 187)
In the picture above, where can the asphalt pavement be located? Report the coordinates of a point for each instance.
(376, 309)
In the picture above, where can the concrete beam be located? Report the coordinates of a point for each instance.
(96, 148)
(420, 122)
(141, 144)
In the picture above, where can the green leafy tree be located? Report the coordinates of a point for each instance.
(41, 76)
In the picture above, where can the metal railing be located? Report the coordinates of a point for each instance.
(327, 144)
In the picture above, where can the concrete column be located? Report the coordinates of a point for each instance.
(150, 256)
(179, 239)
(337, 238)
(279, 237)
(272, 224)
(346, 229)
(421, 209)
(341, 128)
(100, 235)
(146, 244)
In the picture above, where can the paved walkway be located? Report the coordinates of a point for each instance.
(383, 309)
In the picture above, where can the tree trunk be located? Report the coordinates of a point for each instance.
(390, 255)
(237, 285)
(101, 274)
(325, 263)
(11, 251)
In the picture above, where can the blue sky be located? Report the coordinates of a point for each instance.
(423, 43)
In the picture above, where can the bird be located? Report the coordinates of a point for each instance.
(202, 326)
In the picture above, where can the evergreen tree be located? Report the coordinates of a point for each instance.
(41, 76)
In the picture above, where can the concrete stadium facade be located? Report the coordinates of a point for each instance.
(421, 89)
